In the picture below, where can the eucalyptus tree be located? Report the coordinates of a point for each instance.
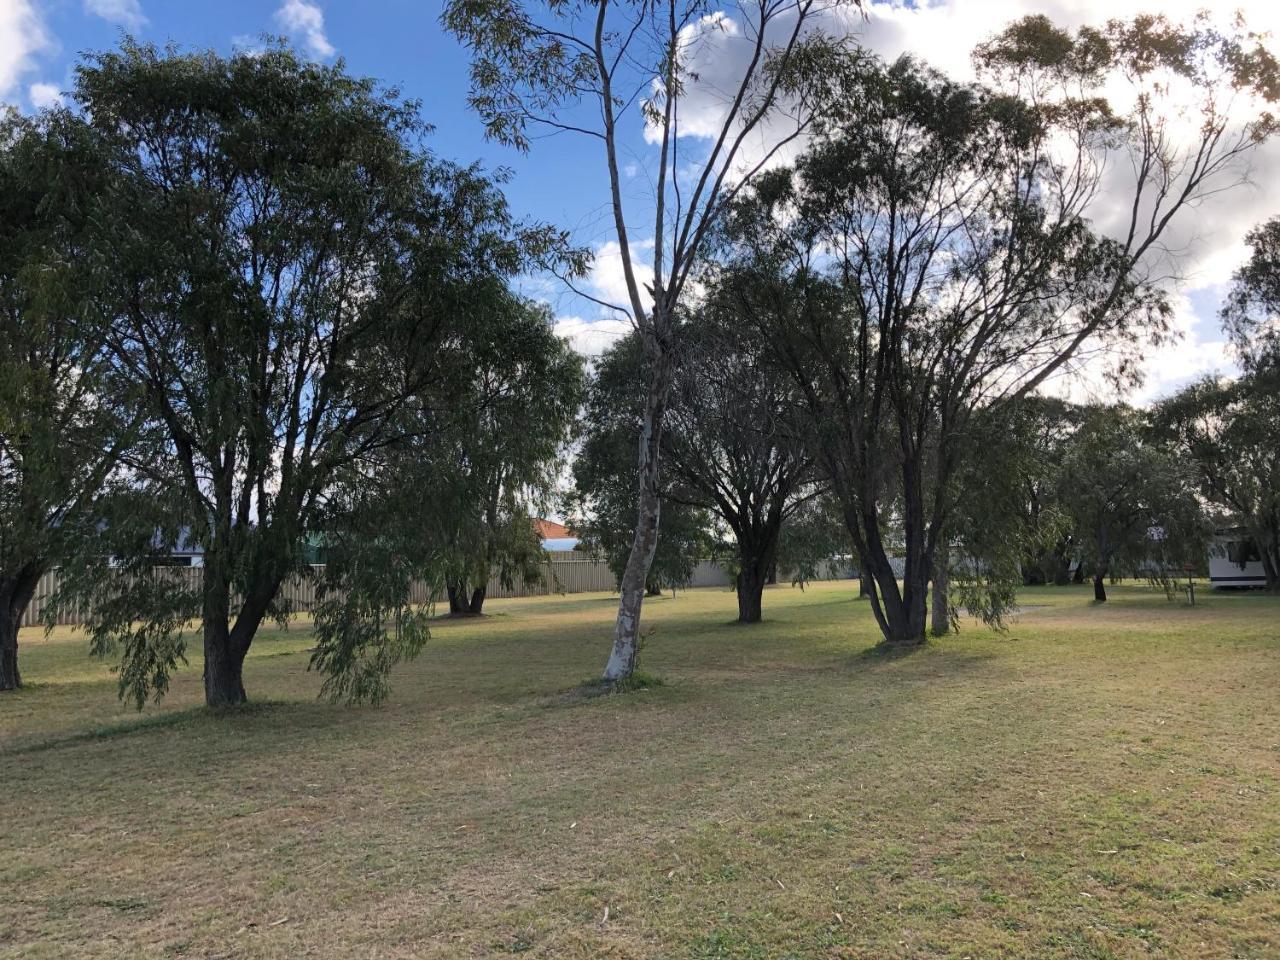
(601, 501)
(1251, 313)
(590, 69)
(1132, 500)
(516, 417)
(1037, 432)
(1229, 431)
(64, 418)
(939, 242)
(300, 283)
(734, 453)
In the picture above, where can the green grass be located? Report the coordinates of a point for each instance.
(1099, 781)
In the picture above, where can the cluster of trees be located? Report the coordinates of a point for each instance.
(242, 304)
(930, 260)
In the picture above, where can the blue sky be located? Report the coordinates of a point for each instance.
(562, 181)
(397, 41)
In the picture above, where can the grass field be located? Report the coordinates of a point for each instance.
(1099, 781)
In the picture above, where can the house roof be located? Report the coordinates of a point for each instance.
(550, 530)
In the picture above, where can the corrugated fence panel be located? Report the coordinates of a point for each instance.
(566, 571)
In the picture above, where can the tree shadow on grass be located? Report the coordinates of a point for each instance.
(193, 719)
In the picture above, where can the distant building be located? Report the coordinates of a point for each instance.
(184, 553)
(1234, 560)
(554, 536)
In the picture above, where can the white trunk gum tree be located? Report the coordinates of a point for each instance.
(590, 68)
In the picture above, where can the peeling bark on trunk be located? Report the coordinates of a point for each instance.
(635, 576)
(15, 594)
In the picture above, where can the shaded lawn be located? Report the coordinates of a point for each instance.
(1100, 781)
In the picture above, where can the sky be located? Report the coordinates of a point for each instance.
(561, 180)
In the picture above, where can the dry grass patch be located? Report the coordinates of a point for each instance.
(1101, 781)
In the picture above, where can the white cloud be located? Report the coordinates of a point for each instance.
(592, 337)
(22, 36)
(1196, 348)
(44, 95)
(126, 13)
(1206, 242)
(608, 280)
(304, 23)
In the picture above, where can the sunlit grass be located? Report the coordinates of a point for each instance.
(1099, 781)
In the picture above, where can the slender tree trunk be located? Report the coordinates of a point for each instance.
(1270, 567)
(16, 592)
(1100, 587)
(476, 606)
(626, 629)
(864, 582)
(1078, 576)
(941, 600)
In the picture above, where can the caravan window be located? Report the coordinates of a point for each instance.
(1241, 552)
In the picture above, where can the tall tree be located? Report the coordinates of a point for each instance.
(1132, 501)
(64, 418)
(1229, 431)
(601, 503)
(516, 418)
(1251, 312)
(733, 445)
(591, 69)
(298, 279)
(939, 243)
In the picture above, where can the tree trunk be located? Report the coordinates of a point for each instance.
(626, 629)
(1061, 569)
(223, 668)
(653, 589)
(941, 600)
(476, 605)
(900, 612)
(750, 587)
(15, 594)
(1271, 568)
(1099, 588)
(223, 657)
(458, 605)
(1078, 576)
(864, 582)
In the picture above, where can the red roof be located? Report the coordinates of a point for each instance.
(550, 530)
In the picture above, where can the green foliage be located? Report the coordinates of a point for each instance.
(932, 261)
(814, 537)
(66, 416)
(602, 504)
(1230, 433)
(301, 286)
(1251, 312)
(1132, 499)
(513, 415)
